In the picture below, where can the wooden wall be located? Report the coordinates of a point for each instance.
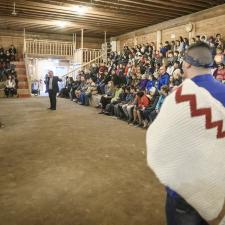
(16, 38)
(7, 41)
(173, 33)
(208, 22)
(211, 26)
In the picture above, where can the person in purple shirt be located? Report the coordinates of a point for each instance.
(143, 82)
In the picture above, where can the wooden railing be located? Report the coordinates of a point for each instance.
(47, 47)
(85, 55)
(57, 48)
(84, 66)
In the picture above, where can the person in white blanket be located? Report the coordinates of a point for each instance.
(186, 144)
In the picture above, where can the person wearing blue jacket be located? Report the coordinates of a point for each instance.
(150, 83)
(164, 78)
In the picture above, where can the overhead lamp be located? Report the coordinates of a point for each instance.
(61, 24)
(80, 9)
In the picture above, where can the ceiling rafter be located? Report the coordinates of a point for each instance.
(114, 16)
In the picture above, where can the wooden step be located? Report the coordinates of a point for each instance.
(20, 66)
(23, 89)
(18, 63)
(22, 75)
(20, 70)
(23, 85)
(23, 93)
(2, 93)
(22, 78)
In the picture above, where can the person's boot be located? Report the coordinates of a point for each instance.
(145, 124)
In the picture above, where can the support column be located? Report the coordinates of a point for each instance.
(105, 56)
(24, 42)
(135, 40)
(74, 47)
(158, 38)
(105, 37)
(192, 33)
(75, 41)
(82, 39)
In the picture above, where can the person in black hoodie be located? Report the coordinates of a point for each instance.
(7, 59)
(12, 52)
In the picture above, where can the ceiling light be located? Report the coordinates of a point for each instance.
(61, 24)
(80, 9)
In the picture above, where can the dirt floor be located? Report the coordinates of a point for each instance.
(73, 167)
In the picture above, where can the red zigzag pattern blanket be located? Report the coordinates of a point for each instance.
(186, 148)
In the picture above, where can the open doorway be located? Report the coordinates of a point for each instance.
(38, 69)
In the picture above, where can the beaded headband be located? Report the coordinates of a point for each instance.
(195, 62)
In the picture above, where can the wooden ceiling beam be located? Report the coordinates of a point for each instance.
(68, 7)
(51, 23)
(85, 19)
(68, 10)
(192, 3)
(167, 4)
(114, 16)
(147, 5)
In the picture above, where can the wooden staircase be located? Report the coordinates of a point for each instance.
(23, 88)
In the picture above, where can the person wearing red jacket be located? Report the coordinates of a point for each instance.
(219, 74)
(142, 102)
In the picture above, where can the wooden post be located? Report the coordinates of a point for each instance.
(24, 42)
(105, 38)
(82, 38)
(159, 38)
(106, 50)
(82, 45)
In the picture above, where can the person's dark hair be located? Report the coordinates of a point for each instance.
(94, 79)
(140, 94)
(132, 87)
(181, 39)
(218, 35)
(165, 88)
(117, 85)
(128, 88)
(186, 40)
(177, 62)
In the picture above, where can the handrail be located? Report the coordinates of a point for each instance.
(46, 47)
(48, 40)
(85, 64)
(27, 73)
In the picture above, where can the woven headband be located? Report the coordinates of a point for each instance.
(195, 62)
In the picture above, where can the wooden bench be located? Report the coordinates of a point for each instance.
(95, 100)
(2, 93)
(2, 88)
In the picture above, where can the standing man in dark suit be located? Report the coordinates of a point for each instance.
(53, 89)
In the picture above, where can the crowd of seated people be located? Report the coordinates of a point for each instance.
(7, 71)
(6, 56)
(136, 81)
